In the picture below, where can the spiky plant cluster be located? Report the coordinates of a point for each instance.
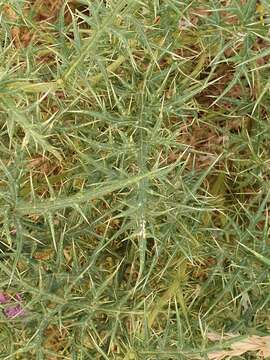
(134, 176)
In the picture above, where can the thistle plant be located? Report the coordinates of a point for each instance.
(134, 173)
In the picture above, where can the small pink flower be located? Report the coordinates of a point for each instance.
(3, 298)
(18, 297)
(14, 311)
(15, 308)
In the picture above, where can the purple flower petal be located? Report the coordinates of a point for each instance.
(18, 297)
(15, 308)
(14, 311)
(3, 298)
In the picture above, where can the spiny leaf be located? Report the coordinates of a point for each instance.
(40, 207)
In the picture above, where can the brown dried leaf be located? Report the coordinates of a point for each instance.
(202, 12)
(265, 352)
(68, 254)
(9, 12)
(21, 35)
(47, 10)
(44, 255)
(252, 343)
(43, 165)
(54, 338)
(212, 336)
(15, 33)
(223, 354)
(259, 344)
(217, 355)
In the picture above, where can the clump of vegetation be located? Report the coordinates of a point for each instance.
(134, 178)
